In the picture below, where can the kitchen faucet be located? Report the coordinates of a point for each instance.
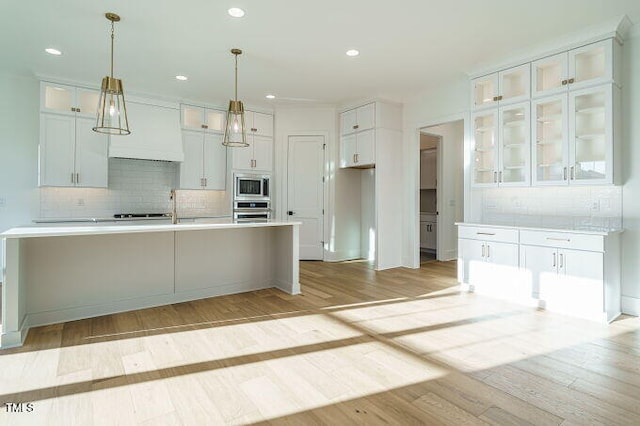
(174, 214)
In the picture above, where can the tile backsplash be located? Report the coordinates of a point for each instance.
(135, 186)
(572, 207)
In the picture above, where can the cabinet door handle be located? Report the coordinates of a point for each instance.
(485, 233)
(206, 182)
(495, 177)
(554, 260)
(573, 173)
(488, 251)
(500, 176)
(564, 82)
(72, 178)
(253, 129)
(77, 109)
(483, 250)
(561, 260)
(571, 80)
(77, 177)
(564, 173)
(356, 127)
(559, 239)
(495, 99)
(500, 97)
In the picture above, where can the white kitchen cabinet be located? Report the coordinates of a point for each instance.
(358, 119)
(507, 86)
(585, 66)
(258, 156)
(71, 154)
(205, 161)
(502, 144)
(259, 123)
(576, 274)
(428, 232)
(358, 149)
(200, 118)
(428, 168)
(68, 100)
(574, 137)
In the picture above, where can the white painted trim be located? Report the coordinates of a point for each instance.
(341, 256)
(631, 305)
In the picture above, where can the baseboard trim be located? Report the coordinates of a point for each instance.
(341, 256)
(630, 305)
(14, 339)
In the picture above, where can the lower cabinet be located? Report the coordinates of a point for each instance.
(572, 273)
(428, 235)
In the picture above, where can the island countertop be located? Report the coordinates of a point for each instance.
(61, 231)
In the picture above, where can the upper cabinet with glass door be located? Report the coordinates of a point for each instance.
(586, 66)
(200, 118)
(68, 100)
(505, 87)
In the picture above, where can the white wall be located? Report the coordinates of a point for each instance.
(631, 174)
(446, 103)
(342, 210)
(19, 108)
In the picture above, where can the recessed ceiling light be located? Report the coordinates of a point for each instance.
(182, 77)
(52, 51)
(353, 52)
(236, 12)
(270, 96)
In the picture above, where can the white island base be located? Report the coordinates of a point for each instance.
(62, 274)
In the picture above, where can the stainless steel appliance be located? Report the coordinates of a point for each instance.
(251, 198)
(251, 187)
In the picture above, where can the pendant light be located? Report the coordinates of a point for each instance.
(112, 112)
(235, 134)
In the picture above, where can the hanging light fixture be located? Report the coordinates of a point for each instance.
(235, 134)
(112, 112)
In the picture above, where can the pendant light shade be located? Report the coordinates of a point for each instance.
(235, 134)
(112, 111)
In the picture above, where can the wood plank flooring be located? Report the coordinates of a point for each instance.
(357, 347)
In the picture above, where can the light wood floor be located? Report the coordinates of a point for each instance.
(357, 347)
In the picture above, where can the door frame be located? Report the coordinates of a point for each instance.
(439, 176)
(326, 169)
(414, 229)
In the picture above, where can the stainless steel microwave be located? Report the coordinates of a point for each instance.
(251, 187)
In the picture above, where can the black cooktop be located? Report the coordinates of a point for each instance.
(128, 215)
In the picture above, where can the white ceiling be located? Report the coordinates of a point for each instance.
(294, 49)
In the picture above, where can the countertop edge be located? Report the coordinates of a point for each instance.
(58, 231)
(530, 228)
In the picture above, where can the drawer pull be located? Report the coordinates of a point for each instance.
(485, 233)
(558, 239)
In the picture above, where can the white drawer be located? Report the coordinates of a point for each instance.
(568, 240)
(504, 235)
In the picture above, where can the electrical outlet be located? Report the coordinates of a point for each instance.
(595, 206)
(80, 202)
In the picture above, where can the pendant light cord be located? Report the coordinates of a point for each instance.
(112, 37)
(236, 93)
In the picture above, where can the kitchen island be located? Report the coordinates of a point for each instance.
(64, 273)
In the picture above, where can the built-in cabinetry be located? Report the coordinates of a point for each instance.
(428, 231)
(258, 156)
(370, 144)
(71, 154)
(566, 136)
(576, 273)
(357, 141)
(205, 158)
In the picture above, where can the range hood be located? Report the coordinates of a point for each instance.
(155, 133)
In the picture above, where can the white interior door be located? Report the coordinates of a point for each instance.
(305, 192)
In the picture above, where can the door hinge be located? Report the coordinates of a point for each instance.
(324, 146)
(322, 179)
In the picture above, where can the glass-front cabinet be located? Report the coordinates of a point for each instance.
(585, 66)
(573, 137)
(501, 152)
(485, 153)
(199, 118)
(508, 86)
(68, 100)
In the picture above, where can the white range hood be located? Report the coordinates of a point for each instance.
(155, 133)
